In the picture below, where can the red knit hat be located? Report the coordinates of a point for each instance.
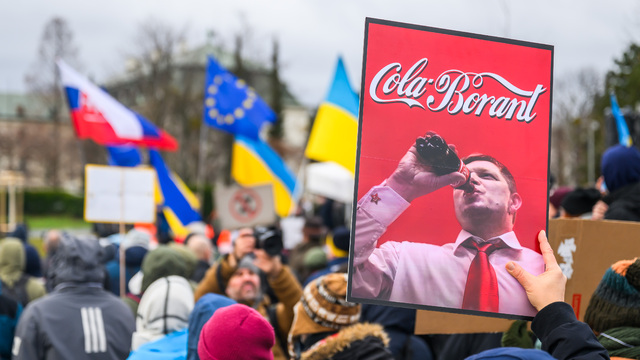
(236, 332)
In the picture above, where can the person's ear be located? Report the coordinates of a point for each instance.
(515, 202)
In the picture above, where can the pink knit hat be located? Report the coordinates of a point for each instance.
(236, 332)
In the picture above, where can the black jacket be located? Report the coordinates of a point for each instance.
(564, 337)
(624, 203)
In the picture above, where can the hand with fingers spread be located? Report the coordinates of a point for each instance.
(413, 178)
(547, 287)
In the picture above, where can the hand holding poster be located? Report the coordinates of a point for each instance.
(450, 116)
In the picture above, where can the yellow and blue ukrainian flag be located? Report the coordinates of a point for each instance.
(179, 205)
(334, 134)
(255, 163)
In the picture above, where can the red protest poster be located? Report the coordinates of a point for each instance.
(428, 97)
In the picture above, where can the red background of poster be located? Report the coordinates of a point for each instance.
(388, 130)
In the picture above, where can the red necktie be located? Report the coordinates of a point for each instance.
(481, 291)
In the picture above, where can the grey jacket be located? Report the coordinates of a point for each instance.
(79, 319)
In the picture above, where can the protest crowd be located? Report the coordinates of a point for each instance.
(190, 299)
(280, 290)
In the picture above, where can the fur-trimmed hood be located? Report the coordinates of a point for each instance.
(371, 336)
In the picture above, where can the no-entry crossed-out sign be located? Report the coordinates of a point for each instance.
(245, 206)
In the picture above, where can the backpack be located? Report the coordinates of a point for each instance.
(18, 291)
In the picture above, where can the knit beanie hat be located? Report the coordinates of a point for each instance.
(620, 166)
(202, 312)
(616, 301)
(338, 243)
(315, 258)
(511, 353)
(247, 263)
(323, 308)
(236, 332)
(558, 195)
(162, 261)
(580, 201)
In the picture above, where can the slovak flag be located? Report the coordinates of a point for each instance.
(98, 116)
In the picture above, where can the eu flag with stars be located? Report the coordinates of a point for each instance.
(231, 105)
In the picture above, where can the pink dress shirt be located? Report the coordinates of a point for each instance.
(425, 274)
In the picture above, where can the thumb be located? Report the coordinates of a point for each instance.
(520, 274)
(450, 179)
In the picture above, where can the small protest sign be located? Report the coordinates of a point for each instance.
(245, 206)
(116, 194)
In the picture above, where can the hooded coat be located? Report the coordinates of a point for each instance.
(12, 265)
(202, 312)
(96, 324)
(161, 262)
(164, 308)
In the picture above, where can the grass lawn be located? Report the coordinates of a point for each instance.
(38, 224)
(56, 222)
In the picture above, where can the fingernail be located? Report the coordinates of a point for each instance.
(510, 266)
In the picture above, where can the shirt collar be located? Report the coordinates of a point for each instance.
(509, 239)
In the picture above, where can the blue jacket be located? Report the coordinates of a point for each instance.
(10, 311)
(171, 347)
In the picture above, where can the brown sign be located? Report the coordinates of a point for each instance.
(585, 249)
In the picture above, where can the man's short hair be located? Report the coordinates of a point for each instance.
(503, 169)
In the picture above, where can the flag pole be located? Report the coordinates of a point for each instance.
(299, 190)
(201, 157)
(121, 248)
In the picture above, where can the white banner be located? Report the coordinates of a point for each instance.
(116, 194)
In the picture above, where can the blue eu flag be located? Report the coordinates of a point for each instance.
(232, 106)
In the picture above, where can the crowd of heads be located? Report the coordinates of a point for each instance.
(245, 295)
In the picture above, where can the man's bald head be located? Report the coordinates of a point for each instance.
(51, 241)
(201, 246)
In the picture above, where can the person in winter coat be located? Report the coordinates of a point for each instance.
(201, 247)
(620, 167)
(33, 263)
(313, 234)
(10, 311)
(164, 308)
(202, 312)
(399, 324)
(337, 246)
(241, 281)
(326, 326)
(614, 310)
(15, 283)
(79, 319)
(160, 262)
(161, 324)
(135, 245)
(236, 332)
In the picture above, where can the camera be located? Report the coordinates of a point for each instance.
(269, 239)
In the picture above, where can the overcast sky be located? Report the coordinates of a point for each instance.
(312, 33)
